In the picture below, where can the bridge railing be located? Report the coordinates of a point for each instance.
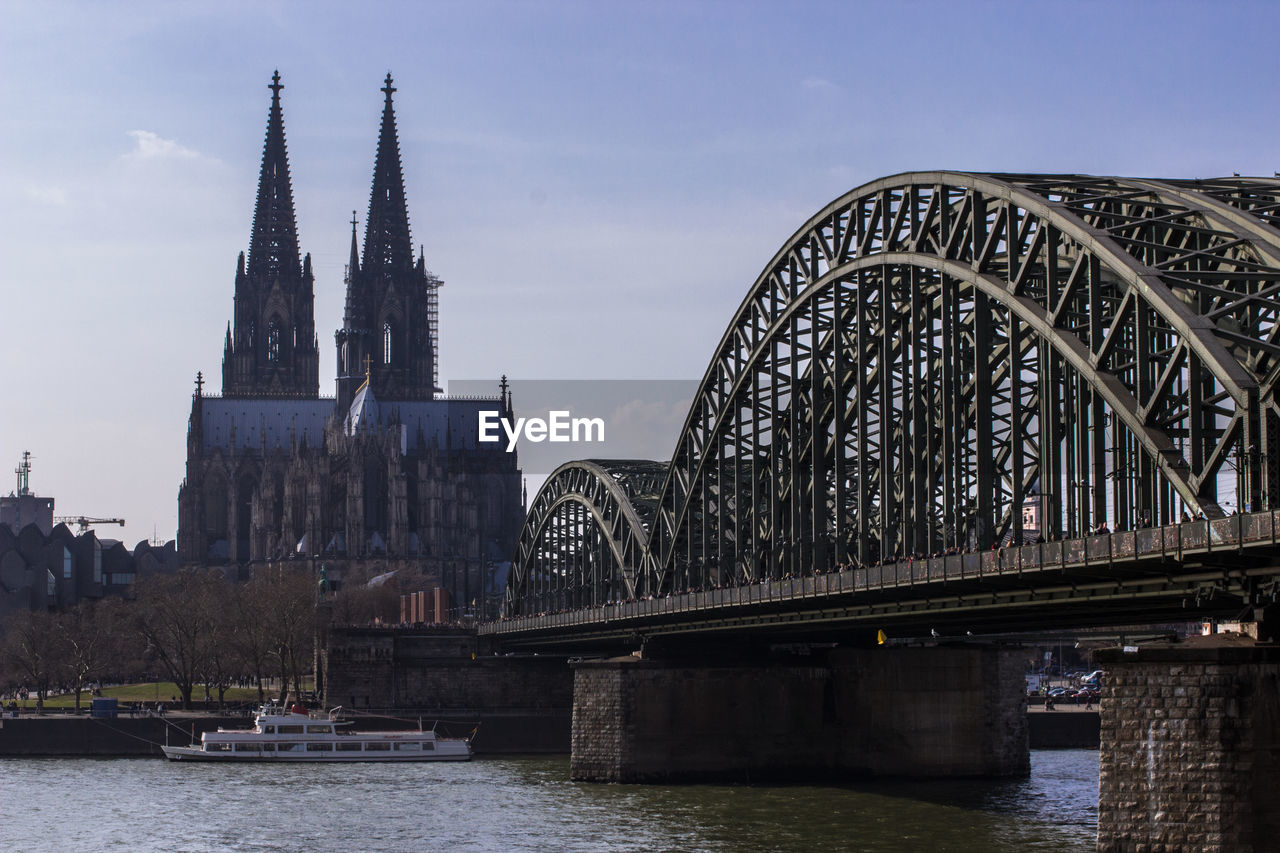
(1232, 533)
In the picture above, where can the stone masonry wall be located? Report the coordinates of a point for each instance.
(948, 711)
(423, 670)
(883, 712)
(649, 721)
(600, 713)
(523, 703)
(1189, 757)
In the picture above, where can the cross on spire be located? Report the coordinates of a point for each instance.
(388, 88)
(368, 368)
(275, 85)
(199, 383)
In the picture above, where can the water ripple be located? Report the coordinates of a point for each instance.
(525, 804)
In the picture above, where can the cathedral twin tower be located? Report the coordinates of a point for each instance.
(389, 325)
(389, 477)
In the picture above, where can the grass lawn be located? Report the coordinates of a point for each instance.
(145, 692)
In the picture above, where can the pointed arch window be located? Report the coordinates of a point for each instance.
(273, 341)
(388, 332)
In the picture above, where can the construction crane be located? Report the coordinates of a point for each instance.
(84, 521)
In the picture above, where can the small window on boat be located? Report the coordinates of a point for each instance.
(411, 746)
(247, 747)
(269, 729)
(348, 747)
(290, 730)
(375, 746)
(428, 746)
(320, 730)
(319, 747)
(286, 747)
(268, 747)
(217, 747)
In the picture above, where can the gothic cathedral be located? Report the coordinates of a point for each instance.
(386, 478)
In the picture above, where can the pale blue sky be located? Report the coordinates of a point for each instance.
(598, 183)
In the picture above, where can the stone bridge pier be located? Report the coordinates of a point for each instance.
(845, 714)
(1191, 747)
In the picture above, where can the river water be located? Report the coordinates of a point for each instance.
(515, 804)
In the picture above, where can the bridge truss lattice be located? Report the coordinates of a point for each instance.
(946, 361)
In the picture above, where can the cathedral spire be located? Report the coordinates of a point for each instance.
(351, 314)
(390, 316)
(273, 248)
(271, 350)
(353, 263)
(387, 246)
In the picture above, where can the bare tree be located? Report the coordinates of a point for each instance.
(361, 604)
(93, 641)
(289, 594)
(224, 654)
(34, 650)
(254, 635)
(175, 616)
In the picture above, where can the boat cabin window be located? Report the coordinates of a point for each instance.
(319, 747)
(286, 747)
(268, 747)
(269, 730)
(348, 747)
(290, 730)
(373, 746)
(247, 747)
(411, 746)
(428, 746)
(217, 747)
(320, 730)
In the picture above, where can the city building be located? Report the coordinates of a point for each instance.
(21, 507)
(44, 566)
(386, 476)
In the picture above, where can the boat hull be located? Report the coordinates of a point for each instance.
(195, 753)
(296, 736)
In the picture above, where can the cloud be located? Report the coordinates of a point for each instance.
(151, 146)
(818, 84)
(48, 196)
(842, 175)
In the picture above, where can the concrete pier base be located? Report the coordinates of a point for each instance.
(904, 712)
(1190, 754)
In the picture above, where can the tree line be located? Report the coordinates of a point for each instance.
(191, 627)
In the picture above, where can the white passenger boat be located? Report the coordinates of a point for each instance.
(293, 735)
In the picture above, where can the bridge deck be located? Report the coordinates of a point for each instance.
(1178, 572)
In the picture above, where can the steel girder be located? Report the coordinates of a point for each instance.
(933, 352)
(584, 536)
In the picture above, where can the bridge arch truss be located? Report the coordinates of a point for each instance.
(584, 536)
(947, 361)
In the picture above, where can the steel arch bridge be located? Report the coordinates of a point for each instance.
(585, 534)
(937, 359)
